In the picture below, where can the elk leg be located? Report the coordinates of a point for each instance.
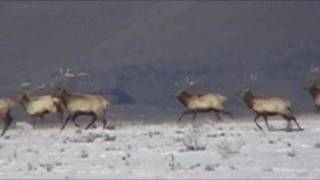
(183, 114)
(256, 121)
(73, 119)
(94, 118)
(66, 121)
(42, 119)
(34, 122)
(288, 121)
(289, 125)
(219, 118)
(227, 113)
(296, 122)
(7, 122)
(194, 116)
(60, 113)
(104, 122)
(266, 121)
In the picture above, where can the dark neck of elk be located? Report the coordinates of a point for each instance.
(63, 95)
(248, 97)
(313, 89)
(23, 100)
(183, 97)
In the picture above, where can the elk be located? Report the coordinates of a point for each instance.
(40, 106)
(264, 106)
(209, 102)
(313, 89)
(6, 104)
(83, 104)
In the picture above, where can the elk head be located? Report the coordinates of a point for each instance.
(60, 93)
(183, 87)
(26, 89)
(247, 85)
(65, 78)
(312, 79)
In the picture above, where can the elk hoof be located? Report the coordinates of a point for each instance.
(94, 126)
(109, 127)
(271, 128)
(289, 130)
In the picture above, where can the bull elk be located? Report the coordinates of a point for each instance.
(199, 103)
(40, 106)
(6, 104)
(264, 106)
(83, 104)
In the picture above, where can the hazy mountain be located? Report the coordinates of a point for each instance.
(134, 52)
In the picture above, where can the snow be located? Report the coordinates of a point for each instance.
(229, 149)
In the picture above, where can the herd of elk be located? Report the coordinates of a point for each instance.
(77, 104)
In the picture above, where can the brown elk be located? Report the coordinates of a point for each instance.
(6, 104)
(313, 89)
(199, 103)
(264, 106)
(40, 106)
(83, 104)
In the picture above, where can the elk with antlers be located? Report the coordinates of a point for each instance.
(268, 106)
(39, 106)
(313, 89)
(209, 102)
(6, 104)
(83, 104)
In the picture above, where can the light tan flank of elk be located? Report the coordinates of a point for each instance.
(269, 106)
(209, 102)
(83, 104)
(6, 104)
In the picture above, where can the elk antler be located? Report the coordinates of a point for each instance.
(191, 82)
(314, 73)
(314, 69)
(66, 76)
(26, 87)
(186, 84)
(253, 77)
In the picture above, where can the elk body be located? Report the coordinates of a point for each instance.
(6, 104)
(314, 90)
(209, 102)
(83, 104)
(39, 106)
(269, 106)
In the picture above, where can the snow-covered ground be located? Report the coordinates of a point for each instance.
(230, 149)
